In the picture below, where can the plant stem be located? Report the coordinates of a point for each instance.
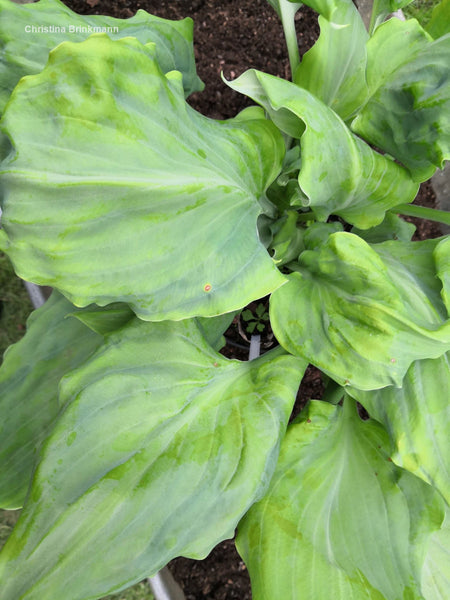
(306, 216)
(432, 214)
(287, 14)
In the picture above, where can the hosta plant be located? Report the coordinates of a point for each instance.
(125, 435)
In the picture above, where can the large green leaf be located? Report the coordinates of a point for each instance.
(439, 24)
(436, 571)
(104, 320)
(213, 328)
(119, 191)
(334, 69)
(340, 520)
(392, 228)
(382, 8)
(363, 313)
(442, 257)
(162, 448)
(417, 418)
(29, 378)
(340, 173)
(28, 33)
(408, 112)
(416, 270)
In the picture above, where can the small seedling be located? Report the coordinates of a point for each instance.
(256, 319)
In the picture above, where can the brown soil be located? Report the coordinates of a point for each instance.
(425, 229)
(232, 36)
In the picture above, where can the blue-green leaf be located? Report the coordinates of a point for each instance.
(417, 418)
(54, 344)
(393, 227)
(28, 33)
(163, 446)
(408, 111)
(357, 184)
(382, 8)
(363, 313)
(340, 520)
(436, 571)
(334, 69)
(442, 257)
(104, 320)
(439, 24)
(117, 190)
(213, 328)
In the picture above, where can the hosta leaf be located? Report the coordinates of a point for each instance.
(340, 520)
(287, 241)
(29, 378)
(436, 571)
(407, 114)
(28, 33)
(363, 313)
(119, 191)
(334, 69)
(382, 8)
(284, 191)
(442, 257)
(162, 448)
(317, 234)
(392, 228)
(413, 268)
(439, 24)
(417, 418)
(358, 184)
(213, 328)
(104, 320)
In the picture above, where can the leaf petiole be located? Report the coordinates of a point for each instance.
(287, 11)
(306, 216)
(432, 214)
